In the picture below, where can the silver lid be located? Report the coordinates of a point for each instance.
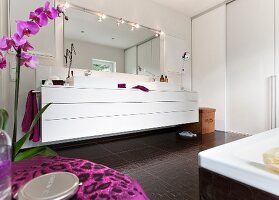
(52, 186)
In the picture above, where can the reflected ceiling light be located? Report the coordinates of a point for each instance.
(100, 19)
(162, 33)
(103, 16)
(119, 21)
(137, 26)
(157, 34)
(133, 28)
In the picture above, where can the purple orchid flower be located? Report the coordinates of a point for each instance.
(3, 61)
(27, 47)
(39, 17)
(18, 41)
(27, 28)
(6, 43)
(22, 43)
(51, 12)
(29, 61)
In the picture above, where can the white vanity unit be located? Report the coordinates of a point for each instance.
(79, 113)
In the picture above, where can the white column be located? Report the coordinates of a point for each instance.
(209, 61)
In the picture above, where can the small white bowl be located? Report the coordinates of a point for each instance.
(52, 186)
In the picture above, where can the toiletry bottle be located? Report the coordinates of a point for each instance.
(5, 166)
(166, 79)
(162, 79)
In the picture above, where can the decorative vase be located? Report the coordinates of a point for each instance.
(5, 166)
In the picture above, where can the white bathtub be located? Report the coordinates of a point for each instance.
(242, 161)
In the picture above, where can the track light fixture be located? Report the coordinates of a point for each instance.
(101, 16)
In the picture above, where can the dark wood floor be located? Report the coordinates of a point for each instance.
(164, 164)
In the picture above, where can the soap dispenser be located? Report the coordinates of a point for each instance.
(166, 79)
(162, 79)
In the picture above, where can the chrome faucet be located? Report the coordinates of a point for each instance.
(140, 69)
(87, 72)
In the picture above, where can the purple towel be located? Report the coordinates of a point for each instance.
(122, 85)
(31, 109)
(142, 88)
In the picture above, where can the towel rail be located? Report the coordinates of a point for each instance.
(36, 92)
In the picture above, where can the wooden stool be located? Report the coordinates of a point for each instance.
(206, 122)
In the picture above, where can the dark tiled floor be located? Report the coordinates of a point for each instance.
(164, 164)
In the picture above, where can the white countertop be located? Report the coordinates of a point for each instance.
(242, 160)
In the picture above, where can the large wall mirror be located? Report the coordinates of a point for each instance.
(109, 44)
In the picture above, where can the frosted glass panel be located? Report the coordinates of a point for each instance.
(250, 65)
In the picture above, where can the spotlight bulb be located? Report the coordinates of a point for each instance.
(103, 16)
(67, 5)
(122, 21)
(100, 19)
(133, 28)
(137, 26)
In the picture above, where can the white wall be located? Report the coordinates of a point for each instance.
(88, 51)
(209, 61)
(144, 12)
(131, 60)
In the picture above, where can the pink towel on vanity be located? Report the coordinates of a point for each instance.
(142, 88)
(31, 109)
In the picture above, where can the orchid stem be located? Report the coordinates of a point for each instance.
(14, 139)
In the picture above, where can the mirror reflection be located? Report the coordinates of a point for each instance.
(103, 43)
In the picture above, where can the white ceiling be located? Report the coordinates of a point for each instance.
(189, 7)
(102, 32)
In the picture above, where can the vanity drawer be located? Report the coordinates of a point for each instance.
(63, 130)
(90, 95)
(89, 110)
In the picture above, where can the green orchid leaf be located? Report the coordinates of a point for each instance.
(22, 141)
(47, 152)
(36, 151)
(4, 117)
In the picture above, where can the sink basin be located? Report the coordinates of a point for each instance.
(161, 86)
(111, 83)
